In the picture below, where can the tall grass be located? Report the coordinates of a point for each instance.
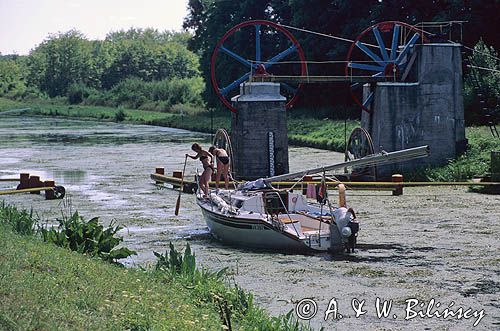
(78, 292)
(474, 163)
(21, 221)
(235, 306)
(45, 287)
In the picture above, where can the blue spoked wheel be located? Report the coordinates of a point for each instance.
(382, 50)
(256, 45)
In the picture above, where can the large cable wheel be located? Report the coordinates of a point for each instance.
(222, 140)
(266, 46)
(382, 50)
(360, 144)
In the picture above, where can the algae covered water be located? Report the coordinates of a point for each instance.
(423, 254)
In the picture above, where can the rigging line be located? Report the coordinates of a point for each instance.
(482, 53)
(483, 68)
(466, 47)
(325, 35)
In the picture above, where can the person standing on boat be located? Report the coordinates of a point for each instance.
(207, 160)
(222, 165)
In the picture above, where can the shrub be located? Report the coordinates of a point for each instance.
(483, 78)
(120, 115)
(179, 91)
(87, 237)
(131, 93)
(77, 92)
(98, 98)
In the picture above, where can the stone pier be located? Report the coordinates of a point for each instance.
(259, 131)
(426, 110)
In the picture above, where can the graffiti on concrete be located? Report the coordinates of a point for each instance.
(410, 131)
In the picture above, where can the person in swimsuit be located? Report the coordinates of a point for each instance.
(207, 160)
(222, 165)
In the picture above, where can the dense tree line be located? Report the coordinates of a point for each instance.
(134, 68)
(147, 69)
(209, 20)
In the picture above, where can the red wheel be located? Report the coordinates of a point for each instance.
(369, 55)
(267, 36)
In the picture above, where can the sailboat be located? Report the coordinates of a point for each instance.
(257, 215)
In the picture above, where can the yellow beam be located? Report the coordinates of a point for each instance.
(26, 190)
(9, 179)
(177, 181)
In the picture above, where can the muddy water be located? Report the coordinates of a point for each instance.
(430, 243)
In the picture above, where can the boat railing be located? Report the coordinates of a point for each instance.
(280, 199)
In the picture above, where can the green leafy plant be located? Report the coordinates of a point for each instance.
(87, 237)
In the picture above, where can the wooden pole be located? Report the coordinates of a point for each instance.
(34, 182)
(178, 204)
(49, 194)
(398, 189)
(159, 171)
(24, 181)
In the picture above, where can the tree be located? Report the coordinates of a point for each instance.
(148, 55)
(60, 61)
(209, 20)
(11, 75)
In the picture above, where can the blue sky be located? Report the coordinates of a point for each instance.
(26, 23)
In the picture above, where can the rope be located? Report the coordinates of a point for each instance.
(479, 52)
(325, 35)
(482, 68)
(376, 46)
(317, 33)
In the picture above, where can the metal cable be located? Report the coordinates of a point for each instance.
(482, 68)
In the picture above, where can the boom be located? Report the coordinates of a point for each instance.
(402, 155)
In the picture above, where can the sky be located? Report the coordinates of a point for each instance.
(26, 23)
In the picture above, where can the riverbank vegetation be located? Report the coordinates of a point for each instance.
(162, 78)
(46, 287)
(170, 71)
(302, 131)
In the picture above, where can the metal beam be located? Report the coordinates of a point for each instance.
(318, 79)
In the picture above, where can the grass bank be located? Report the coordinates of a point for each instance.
(475, 162)
(302, 131)
(308, 132)
(46, 287)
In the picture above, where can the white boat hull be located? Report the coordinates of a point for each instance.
(252, 233)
